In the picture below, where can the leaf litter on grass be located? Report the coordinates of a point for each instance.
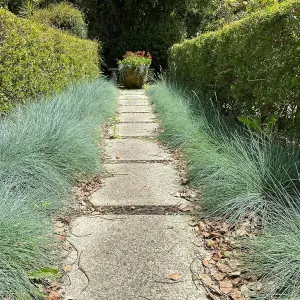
(225, 277)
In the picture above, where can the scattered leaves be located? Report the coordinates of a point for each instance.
(224, 277)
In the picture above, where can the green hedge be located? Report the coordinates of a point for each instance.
(36, 59)
(252, 66)
(63, 16)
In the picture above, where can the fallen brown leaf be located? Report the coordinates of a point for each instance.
(67, 268)
(205, 262)
(235, 294)
(233, 264)
(216, 257)
(53, 296)
(209, 283)
(174, 276)
(223, 268)
(218, 276)
(215, 234)
(235, 273)
(202, 226)
(183, 207)
(225, 287)
(211, 244)
(236, 281)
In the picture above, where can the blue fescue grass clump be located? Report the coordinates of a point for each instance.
(242, 175)
(239, 172)
(276, 256)
(24, 237)
(50, 143)
(44, 147)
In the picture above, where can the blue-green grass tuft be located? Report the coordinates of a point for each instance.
(241, 175)
(44, 147)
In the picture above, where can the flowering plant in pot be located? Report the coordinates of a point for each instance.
(133, 69)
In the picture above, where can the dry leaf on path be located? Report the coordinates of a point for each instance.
(67, 268)
(174, 276)
(183, 207)
(205, 262)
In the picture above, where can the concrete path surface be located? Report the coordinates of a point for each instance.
(146, 251)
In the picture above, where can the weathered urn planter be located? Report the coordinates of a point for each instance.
(133, 69)
(132, 79)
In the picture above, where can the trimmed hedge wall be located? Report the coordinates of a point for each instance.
(36, 59)
(252, 66)
(63, 16)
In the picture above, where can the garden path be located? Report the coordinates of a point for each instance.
(144, 247)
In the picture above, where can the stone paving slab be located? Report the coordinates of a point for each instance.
(135, 130)
(135, 150)
(133, 92)
(130, 257)
(139, 184)
(136, 117)
(135, 108)
(133, 95)
(133, 98)
(133, 102)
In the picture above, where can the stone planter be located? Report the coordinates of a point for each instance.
(133, 79)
